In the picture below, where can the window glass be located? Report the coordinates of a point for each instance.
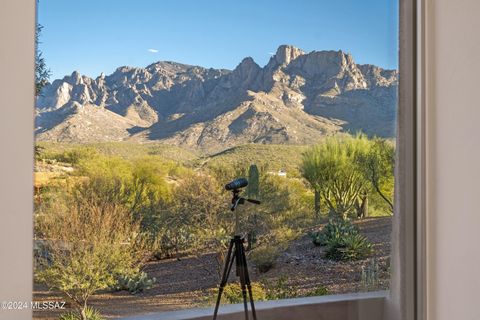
(146, 110)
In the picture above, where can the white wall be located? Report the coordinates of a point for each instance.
(453, 165)
(16, 152)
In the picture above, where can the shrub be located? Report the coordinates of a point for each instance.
(92, 244)
(76, 155)
(195, 215)
(69, 316)
(90, 314)
(136, 283)
(318, 291)
(233, 293)
(281, 290)
(279, 237)
(264, 258)
(283, 235)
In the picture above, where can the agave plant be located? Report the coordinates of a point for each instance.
(355, 247)
(136, 283)
(342, 240)
(90, 314)
(333, 231)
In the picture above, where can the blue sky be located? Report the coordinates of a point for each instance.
(94, 36)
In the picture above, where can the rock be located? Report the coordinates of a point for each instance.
(246, 74)
(286, 53)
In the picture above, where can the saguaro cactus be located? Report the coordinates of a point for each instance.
(253, 191)
(317, 204)
(253, 187)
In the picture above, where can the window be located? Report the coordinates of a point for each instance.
(80, 166)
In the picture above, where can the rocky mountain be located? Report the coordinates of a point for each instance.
(297, 98)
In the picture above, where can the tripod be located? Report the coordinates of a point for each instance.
(236, 253)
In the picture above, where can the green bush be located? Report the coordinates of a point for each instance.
(284, 235)
(318, 291)
(264, 258)
(69, 316)
(281, 290)
(136, 283)
(87, 245)
(91, 313)
(76, 155)
(233, 293)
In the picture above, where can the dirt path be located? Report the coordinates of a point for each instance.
(185, 283)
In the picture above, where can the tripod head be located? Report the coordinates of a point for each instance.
(235, 187)
(236, 199)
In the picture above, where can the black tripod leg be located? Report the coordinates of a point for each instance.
(249, 286)
(226, 272)
(241, 264)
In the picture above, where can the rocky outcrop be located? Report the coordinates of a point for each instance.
(285, 54)
(75, 122)
(296, 98)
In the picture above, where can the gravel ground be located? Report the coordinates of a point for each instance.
(186, 282)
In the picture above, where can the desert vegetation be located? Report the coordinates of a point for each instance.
(107, 214)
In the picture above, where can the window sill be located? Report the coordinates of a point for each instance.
(334, 307)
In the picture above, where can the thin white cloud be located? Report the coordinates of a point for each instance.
(153, 50)
(271, 53)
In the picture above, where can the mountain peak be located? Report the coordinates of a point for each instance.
(286, 53)
(74, 78)
(247, 71)
(297, 98)
(247, 63)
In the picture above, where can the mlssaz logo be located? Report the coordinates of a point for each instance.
(47, 305)
(35, 305)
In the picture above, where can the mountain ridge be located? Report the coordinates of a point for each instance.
(296, 98)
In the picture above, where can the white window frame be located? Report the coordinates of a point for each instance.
(407, 296)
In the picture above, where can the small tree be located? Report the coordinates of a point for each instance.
(86, 248)
(285, 202)
(198, 217)
(42, 73)
(139, 185)
(199, 203)
(309, 170)
(331, 170)
(377, 166)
